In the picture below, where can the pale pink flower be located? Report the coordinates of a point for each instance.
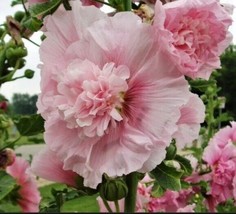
(195, 33)
(192, 114)
(111, 99)
(220, 155)
(29, 195)
(46, 165)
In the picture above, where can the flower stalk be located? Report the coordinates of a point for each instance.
(130, 200)
(127, 5)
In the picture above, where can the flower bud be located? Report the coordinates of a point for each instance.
(19, 15)
(171, 152)
(113, 189)
(3, 105)
(17, 52)
(4, 122)
(29, 73)
(7, 158)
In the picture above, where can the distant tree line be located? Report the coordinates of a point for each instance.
(24, 104)
(21, 104)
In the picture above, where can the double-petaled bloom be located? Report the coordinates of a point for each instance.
(195, 33)
(220, 155)
(111, 98)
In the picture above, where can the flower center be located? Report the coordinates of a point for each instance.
(98, 103)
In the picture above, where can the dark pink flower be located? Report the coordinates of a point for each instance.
(29, 194)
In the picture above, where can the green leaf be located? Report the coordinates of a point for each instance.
(43, 9)
(30, 125)
(7, 184)
(184, 164)
(81, 204)
(168, 177)
(201, 85)
(157, 190)
(32, 23)
(171, 151)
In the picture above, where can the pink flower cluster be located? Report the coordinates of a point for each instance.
(171, 201)
(28, 195)
(112, 94)
(220, 156)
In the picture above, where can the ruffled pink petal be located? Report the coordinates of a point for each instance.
(46, 165)
(190, 32)
(192, 114)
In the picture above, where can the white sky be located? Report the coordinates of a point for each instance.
(31, 86)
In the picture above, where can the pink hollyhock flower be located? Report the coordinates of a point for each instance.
(29, 195)
(111, 100)
(46, 165)
(195, 33)
(171, 201)
(192, 114)
(220, 155)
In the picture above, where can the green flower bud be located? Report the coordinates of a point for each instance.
(19, 15)
(17, 52)
(4, 122)
(171, 152)
(29, 73)
(21, 63)
(113, 189)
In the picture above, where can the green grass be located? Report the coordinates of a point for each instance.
(81, 204)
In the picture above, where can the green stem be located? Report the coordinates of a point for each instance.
(127, 5)
(10, 144)
(130, 200)
(107, 206)
(31, 41)
(117, 206)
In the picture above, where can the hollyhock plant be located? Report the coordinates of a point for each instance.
(28, 195)
(110, 98)
(46, 165)
(220, 155)
(195, 33)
